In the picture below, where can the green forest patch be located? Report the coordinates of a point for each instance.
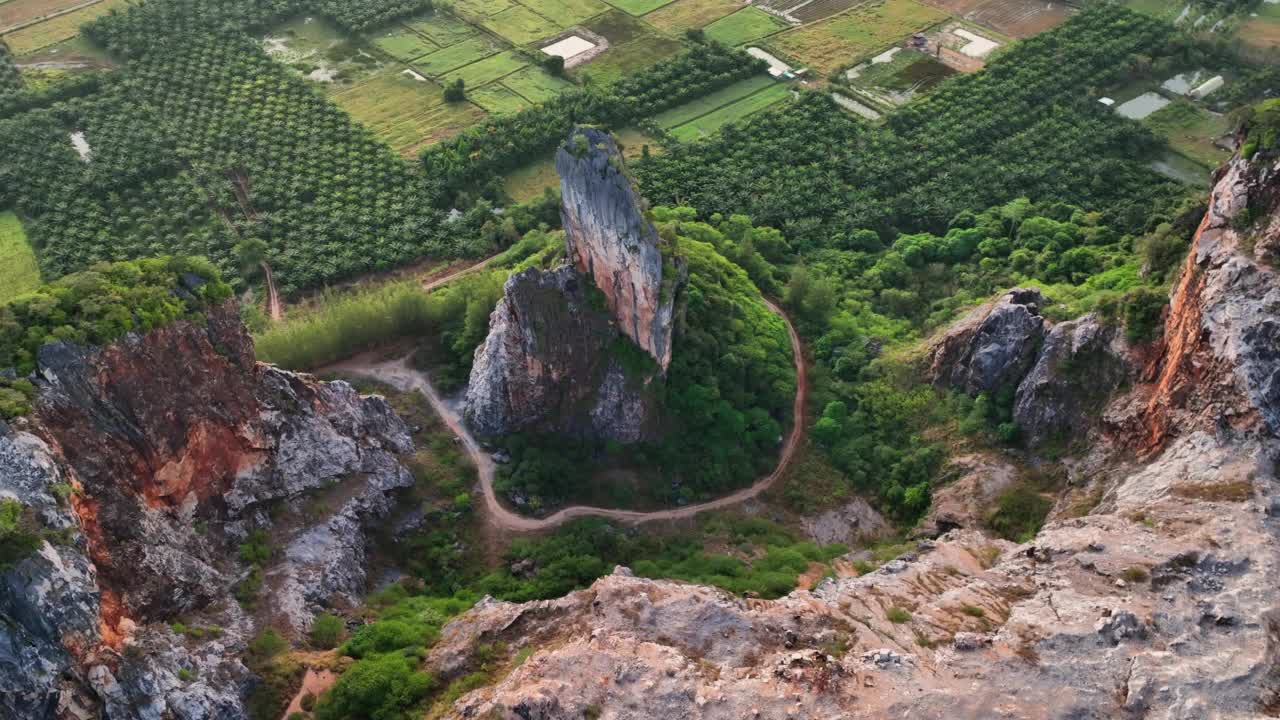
(496, 98)
(744, 26)
(684, 113)
(406, 113)
(451, 58)
(684, 15)
(1191, 130)
(443, 29)
(488, 69)
(714, 120)
(831, 44)
(618, 62)
(404, 44)
(567, 12)
(521, 25)
(19, 272)
(536, 85)
(638, 7)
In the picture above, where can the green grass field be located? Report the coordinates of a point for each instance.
(744, 26)
(535, 85)
(406, 113)
(683, 15)
(48, 32)
(488, 69)
(443, 29)
(1191, 130)
(404, 44)
(684, 113)
(713, 120)
(567, 12)
(497, 99)
(481, 8)
(618, 62)
(18, 270)
(1162, 9)
(527, 182)
(451, 58)
(638, 7)
(521, 25)
(619, 28)
(838, 41)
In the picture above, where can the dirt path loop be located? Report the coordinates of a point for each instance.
(402, 376)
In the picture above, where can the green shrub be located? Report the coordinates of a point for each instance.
(267, 644)
(898, 615)
(97, 306)
(308, 702)
(19, 534)
(973, 611)
(384, 687)
(1019, 513)
(327, 631)
(1141, 309)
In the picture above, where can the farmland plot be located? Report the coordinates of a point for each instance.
(442, 28)
(684, 15)
(520, 25)
(43, 34)
(1020, 18)
(404, 44)
(535, 85)
(744, 26)
(451, 58)
(738, 110)
(487, 70)
(833, 43)
(705, 104)
(18, 270)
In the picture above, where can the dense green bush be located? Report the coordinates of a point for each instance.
(19, 534)
(384, 687)
(327, 631)
(1019, 513)
(99, 305)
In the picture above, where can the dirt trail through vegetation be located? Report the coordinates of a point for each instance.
(400, 374)
(274, 309)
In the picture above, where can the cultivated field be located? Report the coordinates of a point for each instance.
(744, 26)
(406, 113)
(638, 7)
(628, 58)
(535, 85)
(488, 69)
(1020, 18)
(19, 12)
(954, 7)
(568, 12)
(705, 104)
(18, 270)
(451, 58)
(42, 34)
(1191, 130)
(1263, 32)
(496, 98)
(521, 25)
(831, 44)
(404, 44)
(712, 121)
(529, 181)
(683, 15)
(442, 28)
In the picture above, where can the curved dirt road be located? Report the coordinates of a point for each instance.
(400, 375)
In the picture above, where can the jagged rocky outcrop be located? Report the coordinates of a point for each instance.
(1149, 593)
(569, 350)
(993, 347)
(147, 463)
(609, 240)
(549, 362)
(1080, 363)
(1219, 368)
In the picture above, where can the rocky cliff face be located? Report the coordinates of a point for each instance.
(549, 363)
(1150, 592)
(1219, 369)
(609, 240)
(566, 350)
(156, 457)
